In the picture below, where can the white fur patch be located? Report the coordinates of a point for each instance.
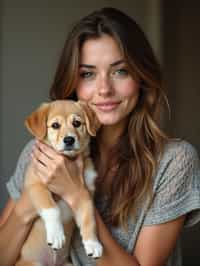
(90, 175)
(54, 228)
(93, 248)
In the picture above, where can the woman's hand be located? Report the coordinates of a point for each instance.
(63, 176)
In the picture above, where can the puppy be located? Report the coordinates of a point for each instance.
(66, 126)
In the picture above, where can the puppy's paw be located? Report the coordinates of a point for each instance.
(55, 235)
(93, 248)
(54, 228)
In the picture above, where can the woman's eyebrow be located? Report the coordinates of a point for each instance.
(87, 66)
(118, 62)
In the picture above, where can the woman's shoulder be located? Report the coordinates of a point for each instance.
(178, 149)
(28, 146)
(24, 156)
(176, 184)
(179, 158)
(15, 182)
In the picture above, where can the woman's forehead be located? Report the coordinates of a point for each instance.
(102, 48)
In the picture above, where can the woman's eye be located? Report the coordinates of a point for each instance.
(86, 74)
(55, 125)
(76, 123)
(121, 71)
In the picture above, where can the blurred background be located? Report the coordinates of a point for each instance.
(32, 34)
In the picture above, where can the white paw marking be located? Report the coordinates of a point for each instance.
(93, 248)
(55, 235)
(54, 228)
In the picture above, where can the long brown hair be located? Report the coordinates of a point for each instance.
(136, 154)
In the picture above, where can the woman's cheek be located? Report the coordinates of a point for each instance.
(130, 88)
(85, 92)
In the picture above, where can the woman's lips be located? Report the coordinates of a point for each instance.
(107, 106)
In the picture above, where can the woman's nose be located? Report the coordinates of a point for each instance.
(105, 87)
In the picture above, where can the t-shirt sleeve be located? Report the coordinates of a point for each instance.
(176, 187)
(15, 183)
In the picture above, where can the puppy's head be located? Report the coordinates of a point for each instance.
(65, 125)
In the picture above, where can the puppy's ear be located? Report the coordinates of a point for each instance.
(36, 121)
(92, 122)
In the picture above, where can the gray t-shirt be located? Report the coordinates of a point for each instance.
(176, 191)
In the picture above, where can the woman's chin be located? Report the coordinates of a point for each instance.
(108, 121)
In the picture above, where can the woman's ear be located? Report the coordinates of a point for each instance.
(92, 122)
(36, 122)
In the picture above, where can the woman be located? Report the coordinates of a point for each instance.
(148, 185)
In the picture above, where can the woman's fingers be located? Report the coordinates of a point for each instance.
(48, 151)
(57, 171)
(47, 167)
(40, 156)
(40, 168)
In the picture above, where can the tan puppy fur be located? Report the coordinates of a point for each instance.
(66, 126)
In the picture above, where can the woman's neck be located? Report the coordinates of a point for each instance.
(109, 136)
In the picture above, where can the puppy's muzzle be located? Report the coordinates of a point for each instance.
(69, 143)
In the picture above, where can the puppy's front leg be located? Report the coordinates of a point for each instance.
(84, 216)
(49, 212)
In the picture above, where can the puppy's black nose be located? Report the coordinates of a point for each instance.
(69, 141)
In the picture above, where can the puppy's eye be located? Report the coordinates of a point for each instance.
(76, 123)
(55, 125)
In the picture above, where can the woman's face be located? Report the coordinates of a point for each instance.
(104, 81)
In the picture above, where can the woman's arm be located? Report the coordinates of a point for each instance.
(156, 242)
(15, 223)
(153, 246)
(113, 253)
